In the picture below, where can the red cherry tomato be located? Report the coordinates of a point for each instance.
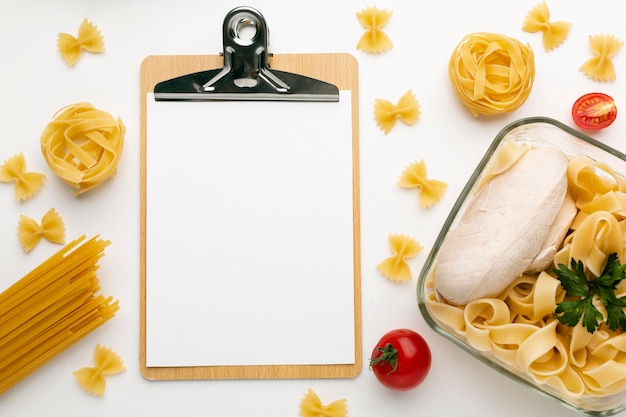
(401, 359)
(594, 111)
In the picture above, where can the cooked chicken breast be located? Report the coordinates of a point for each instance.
(503, 228)
(555, 236)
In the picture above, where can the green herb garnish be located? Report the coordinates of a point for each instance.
(580, 293)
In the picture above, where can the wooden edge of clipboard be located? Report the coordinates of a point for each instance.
(340, 69)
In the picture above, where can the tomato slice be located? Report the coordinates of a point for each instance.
(594, 111)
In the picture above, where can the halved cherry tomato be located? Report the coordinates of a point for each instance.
(401, 359)
(594, 111)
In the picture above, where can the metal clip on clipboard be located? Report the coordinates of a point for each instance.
(246, 74)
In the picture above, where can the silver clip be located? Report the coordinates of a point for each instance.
(246, 74)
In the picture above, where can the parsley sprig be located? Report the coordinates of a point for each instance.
(581, 292)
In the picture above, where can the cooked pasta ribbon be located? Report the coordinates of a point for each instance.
(311, 406)
(504, 158)
(518, 328)
(374, 40)
(538, 20)
(597, 236)
(416, 176)
(603, 47)
(27, 184)
(106, 362)
(83, 145)
(395, 267)
(491, 73)
(52, 228)
(89, 39)
(588, 179)
(386, 113)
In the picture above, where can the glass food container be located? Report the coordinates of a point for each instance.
(536, 131)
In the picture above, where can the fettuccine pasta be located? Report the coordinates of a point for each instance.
(491, 73)
(519, 327)
(83, 145)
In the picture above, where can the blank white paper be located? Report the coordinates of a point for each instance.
(249, 233)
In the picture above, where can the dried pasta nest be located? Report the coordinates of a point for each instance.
(491, 73)
(83, 145)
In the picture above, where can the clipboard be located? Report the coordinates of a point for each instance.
(247, 72)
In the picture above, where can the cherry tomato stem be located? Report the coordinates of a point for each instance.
(389, 355)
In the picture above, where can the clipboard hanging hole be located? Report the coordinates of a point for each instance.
(246, 82)
(244, 29)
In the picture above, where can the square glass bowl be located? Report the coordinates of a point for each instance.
(540, 132)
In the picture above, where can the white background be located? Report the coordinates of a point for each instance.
(35, 83)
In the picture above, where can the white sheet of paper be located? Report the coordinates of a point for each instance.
(249, 233)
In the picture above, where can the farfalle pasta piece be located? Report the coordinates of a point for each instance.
(52, 228)
(600, 67)
(416, 176)
(374, 40)
(89, 39)
(83, 145)
(311, 406)
(26, 183)
(491, 73)
(395, 267)
(386, 113)
(538, 20)
(106, 362)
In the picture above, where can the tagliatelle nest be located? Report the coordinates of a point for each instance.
(491, 73)
(83, 145)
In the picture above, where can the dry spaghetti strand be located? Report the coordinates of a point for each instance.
(51, 308)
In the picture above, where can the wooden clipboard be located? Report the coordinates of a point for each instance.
(339, 69)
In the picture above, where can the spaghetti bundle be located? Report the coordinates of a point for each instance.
(50, 309)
